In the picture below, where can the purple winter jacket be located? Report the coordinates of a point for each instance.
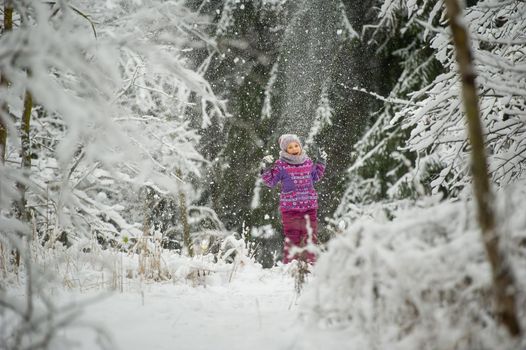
(297, 183)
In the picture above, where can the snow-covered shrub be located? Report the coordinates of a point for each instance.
(110, 110)
(110, 88)
(419, 281)
(32, 316)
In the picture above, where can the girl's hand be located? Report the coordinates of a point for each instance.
(268, 160)
(322, 156)
(266, 163)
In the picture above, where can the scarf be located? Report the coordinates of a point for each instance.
(293, 159)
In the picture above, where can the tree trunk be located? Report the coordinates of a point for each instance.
(8, 15)
(503, 278)
(183, 215)
(25, 154)
(144, 251)
(4, 108)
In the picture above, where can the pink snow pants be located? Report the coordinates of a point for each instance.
(296, 233)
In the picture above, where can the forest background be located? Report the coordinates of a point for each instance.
(138, 126)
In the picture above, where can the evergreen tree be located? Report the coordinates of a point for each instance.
(382, 167)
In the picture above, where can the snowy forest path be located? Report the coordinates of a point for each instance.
(256, 310)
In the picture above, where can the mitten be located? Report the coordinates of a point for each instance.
(266, 163)
(322, 156)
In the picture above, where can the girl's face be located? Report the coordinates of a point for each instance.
(294, 148)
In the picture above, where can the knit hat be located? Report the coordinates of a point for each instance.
(285, 139)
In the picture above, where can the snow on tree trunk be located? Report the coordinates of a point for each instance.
(503, 279)
(25, 153)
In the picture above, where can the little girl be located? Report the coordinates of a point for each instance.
(298, 199)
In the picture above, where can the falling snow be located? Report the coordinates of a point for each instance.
(135, 211)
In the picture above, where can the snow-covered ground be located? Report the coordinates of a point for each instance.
(257, 309)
